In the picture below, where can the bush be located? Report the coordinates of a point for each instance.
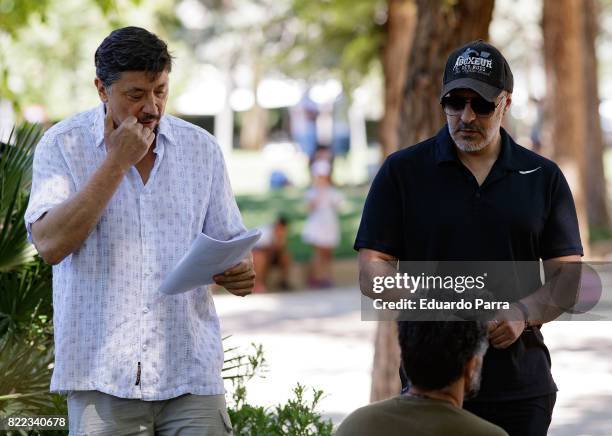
(297, 417)
(26, 341)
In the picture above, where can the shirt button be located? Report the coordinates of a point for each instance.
(145, 310)
(478, 195)
(144, 347)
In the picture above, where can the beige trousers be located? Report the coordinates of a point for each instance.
(96, 413)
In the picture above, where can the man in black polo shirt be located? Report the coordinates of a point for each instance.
(471, 193)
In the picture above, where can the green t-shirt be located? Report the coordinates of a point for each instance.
(403, 415)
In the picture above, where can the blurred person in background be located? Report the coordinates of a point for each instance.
(271, 251)
(279, 180)
(303, 122)
(322, 227)
(324, 153)
(443, 361)
(118, 194)
(341, 136)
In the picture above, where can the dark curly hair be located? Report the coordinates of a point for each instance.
(131, 49)
(434, 353)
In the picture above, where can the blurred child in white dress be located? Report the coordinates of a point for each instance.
(322, 228)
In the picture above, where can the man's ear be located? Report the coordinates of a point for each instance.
(469, 372)
(101, 90)
(508, 102)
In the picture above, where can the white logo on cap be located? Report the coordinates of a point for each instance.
(470, 61)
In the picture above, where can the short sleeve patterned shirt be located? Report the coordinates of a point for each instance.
(113, 331)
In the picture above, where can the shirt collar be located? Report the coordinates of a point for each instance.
(446, 149)
(163, 128)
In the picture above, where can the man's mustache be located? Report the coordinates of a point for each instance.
(146, 119)
(464, 126)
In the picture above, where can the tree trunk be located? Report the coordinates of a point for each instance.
(385, 368)
(562, 25)
(596, 182)
(254, 130)
(401, 23)
(441, 27)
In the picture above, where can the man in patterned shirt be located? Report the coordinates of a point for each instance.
(118, 195)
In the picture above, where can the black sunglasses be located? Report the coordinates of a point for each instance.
(454, 105)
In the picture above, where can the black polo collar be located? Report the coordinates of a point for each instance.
(508, 159)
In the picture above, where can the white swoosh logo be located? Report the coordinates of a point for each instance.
(529, 171)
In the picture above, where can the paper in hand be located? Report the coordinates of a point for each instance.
(206, 258)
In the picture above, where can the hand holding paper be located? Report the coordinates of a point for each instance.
(238, 280)
(210, 257)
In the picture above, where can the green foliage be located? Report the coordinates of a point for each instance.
(25, 302)
(26, 334)
(25, 368)
(239, 368)
(307, 39)
(297, 417)
(342, 37)
(15, 164)
(16, 14)
(46, 52)
(600, 234)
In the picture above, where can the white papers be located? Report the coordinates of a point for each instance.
(207, 257)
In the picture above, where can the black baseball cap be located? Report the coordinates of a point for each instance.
(480, 67)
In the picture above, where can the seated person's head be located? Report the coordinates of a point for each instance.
(280, 227)
(282, 221)
(443, 360)
(436, 354)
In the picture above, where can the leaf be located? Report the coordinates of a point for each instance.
(25, 297)
(24, 377)
(15, 177)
